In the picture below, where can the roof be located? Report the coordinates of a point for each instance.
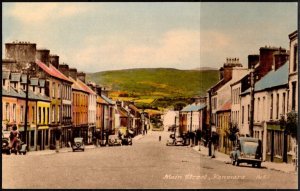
(34, 81)
(76, 85)
(21, 94)
(101, 100)
(85, 87)
(121, 111)
(15, 77)
(272, 79)
(133, 107)
(226, 106)
(5, 74)
(52, 71)
(107, 99)
(193, 107)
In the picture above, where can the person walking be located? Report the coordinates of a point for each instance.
(14, 138)
(57, 134)
(215, 141)
(199, 136)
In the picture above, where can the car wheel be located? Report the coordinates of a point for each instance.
(73, 150)
(8, 152)
(83, 150)
(237, 162)
(232, 161)
(253, 164)
(258, 165)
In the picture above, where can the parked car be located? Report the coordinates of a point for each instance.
(247, 150)
(78, 144)
(5, 142)
(175, 141)
(126, 140)
(113, 140)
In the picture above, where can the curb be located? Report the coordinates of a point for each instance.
(229, 162)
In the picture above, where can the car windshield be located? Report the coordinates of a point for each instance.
(79, 139)
(249, 147)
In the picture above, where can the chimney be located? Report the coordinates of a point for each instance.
(73, 73)
(92, 86)
(54, 60)
(280, 58)
(252, 60)
(43, 55)
(81, 76)
(221, 73)
(22, 53)
(64, 68)
(266, 60)
(98, 90)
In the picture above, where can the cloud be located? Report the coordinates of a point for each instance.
(176, 48)
(43, 12)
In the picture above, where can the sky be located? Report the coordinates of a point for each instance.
(107, 36)
(240, 29)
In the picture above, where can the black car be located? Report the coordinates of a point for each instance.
(78, 144)
(5, 142)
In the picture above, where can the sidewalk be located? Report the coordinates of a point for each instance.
(287, 168)
(61, 150)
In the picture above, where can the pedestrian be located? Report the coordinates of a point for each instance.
(14, 138)
(215, 141)
(57, 134)
(199, 136)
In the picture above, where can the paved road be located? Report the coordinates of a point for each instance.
(147, 164)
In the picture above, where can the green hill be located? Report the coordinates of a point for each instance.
(157, 82)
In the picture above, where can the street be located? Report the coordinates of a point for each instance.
(148, 163)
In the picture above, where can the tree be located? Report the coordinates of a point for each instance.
(289, 125)
(232, 132)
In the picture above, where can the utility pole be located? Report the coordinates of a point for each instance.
(210, 123)
(251, 101)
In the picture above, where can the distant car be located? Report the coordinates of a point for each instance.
(247, 150)
(78, 144)
(114, 140)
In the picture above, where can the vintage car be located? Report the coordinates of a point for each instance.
(78, 144)
(5, 142)
(113, 140)
(247, 150)
(175, 140)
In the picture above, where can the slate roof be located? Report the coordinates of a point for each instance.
(23, 79)
(34, 81)
(21, 94)
(272, 79)
(52, 71)
(107, 99)
(15, 77)
(193, 107)
(5, 74)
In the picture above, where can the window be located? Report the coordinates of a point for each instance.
(53, 113)
(283, 104)
(3, 82)
(58, 91)
(33, 114)
(21, 113)
(295, 58)
(15, 85)
(48, 115)
(33, 88)
(258, 109)
(53, 89)
(277, 106)
(248, 113)
(271, 107)
(293, 95)
(14, 112)
(40, 115)
(44, 115)
(40, 90)
(58, 117)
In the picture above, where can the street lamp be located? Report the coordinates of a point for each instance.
(29, 71)
(252, 88)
